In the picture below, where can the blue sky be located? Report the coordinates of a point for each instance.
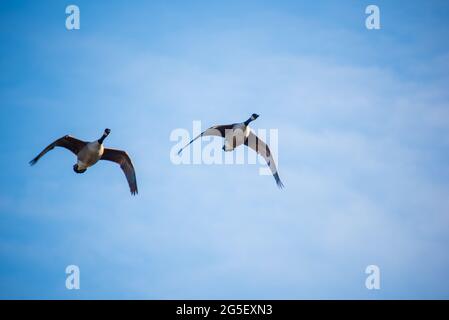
(363, 120)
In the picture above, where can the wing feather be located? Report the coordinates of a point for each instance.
(122, 158)
(68, 142)
(258, 145)
(218, 131)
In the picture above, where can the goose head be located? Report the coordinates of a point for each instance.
(254, 116)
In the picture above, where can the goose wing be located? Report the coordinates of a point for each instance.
(218, 131)
(122, 158)
(262, 149)
(68, 142)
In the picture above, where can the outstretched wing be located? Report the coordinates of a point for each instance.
(122, 158)
(218, 131)
(262, 148)
(67, 142)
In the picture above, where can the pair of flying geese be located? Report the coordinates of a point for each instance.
(89, 153)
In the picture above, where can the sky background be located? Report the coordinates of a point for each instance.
(363, 120)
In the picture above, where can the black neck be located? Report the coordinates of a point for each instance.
(247, 122)
(100, 141)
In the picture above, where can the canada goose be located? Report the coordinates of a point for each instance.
(88, 154)
(240, 133)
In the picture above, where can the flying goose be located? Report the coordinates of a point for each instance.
(88, 154)
(240, 133)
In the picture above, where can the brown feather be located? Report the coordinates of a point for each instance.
(68, 142)
(122, 158)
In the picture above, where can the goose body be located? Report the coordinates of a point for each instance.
(89, 153)
(236, 136)
(240, 133)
